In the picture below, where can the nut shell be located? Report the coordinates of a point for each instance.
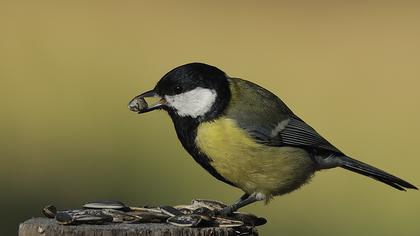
(49, 211)
(185, 220)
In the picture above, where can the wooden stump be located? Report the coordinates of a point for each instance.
(49, 227)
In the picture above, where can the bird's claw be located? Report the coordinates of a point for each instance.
(227, 211)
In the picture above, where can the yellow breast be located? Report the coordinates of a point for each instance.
(251, 166)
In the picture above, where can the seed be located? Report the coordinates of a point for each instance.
(228, 223)
(249, 219)
(137, 104)
(185, 220)
(211, 204)
(49, 211)
(116, 205)
(170, 211)
(204, 211)
(64, 218)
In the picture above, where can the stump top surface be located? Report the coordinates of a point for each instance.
(45, 226)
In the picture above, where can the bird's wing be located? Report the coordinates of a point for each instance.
(267, 119)
(295, 132)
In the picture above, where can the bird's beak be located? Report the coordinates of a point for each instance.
(138, 104)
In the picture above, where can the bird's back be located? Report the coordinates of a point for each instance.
(254, 107)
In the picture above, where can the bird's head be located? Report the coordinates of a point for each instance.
(194, 90)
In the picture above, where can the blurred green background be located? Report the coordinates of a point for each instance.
(68, 69)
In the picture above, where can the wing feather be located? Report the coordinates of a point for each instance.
(298, 133)
(269, 121)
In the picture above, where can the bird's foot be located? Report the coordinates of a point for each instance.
(227, 211)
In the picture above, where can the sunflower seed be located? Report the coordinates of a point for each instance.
(185, 220)
(64, 218)
(204, 211)
(211, 204)
(49, 211)
(227, 223)
(170, 211)
(248, 219)
(117, 205)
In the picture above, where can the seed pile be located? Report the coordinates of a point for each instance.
(200, 213)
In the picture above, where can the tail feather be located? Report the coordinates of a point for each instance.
(375, 173)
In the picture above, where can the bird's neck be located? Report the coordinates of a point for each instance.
(186, 130)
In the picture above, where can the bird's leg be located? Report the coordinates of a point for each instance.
(227, 210)
(246, 199)
(243, 197)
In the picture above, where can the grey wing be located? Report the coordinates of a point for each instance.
(295, 132)
(269, 121)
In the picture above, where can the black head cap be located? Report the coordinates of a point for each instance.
(191, 76)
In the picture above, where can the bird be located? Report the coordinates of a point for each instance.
(246, 136)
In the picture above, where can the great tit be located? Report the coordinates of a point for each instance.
(245, 136)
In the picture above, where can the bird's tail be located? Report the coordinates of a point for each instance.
(375, 173)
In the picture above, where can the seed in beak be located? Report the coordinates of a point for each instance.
(137, 104)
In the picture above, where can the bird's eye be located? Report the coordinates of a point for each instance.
(178, 89)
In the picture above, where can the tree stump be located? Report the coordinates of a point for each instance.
(49, 227)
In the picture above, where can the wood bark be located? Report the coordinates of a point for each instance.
(49, 227)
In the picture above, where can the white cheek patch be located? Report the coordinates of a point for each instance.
(194, 103)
